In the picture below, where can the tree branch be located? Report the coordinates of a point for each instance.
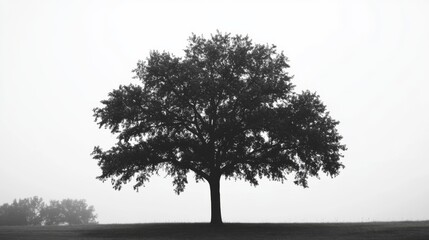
(189, 166)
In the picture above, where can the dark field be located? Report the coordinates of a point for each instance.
(376, 230)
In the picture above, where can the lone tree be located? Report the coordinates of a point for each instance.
(227, 108)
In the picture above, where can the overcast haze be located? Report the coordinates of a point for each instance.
(368, 60)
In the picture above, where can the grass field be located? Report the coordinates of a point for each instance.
(349, 231)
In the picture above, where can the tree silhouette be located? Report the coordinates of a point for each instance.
(227, 108)
(68, 211)
(22, 212)
(33, 211)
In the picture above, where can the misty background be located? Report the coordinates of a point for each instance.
(368, 60)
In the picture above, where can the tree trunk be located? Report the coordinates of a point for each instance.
(215, 201)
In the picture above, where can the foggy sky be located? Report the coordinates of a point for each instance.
(368, 60)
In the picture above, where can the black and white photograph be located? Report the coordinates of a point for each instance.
(138, 119)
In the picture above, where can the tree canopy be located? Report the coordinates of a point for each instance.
(68, 211)
(34, 211)
(226, 108)
(22, 212)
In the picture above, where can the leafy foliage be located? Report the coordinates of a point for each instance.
(68, 211)
(33, 211)
(226, 108)
(22, 212)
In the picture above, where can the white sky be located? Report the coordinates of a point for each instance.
(367, 59)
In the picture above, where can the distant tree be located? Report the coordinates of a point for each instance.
(53, 214)
(9, 216)
(68, 211)
(22, 212)
(227, 108)
(33, 211)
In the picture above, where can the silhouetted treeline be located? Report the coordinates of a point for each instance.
(33, 211)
